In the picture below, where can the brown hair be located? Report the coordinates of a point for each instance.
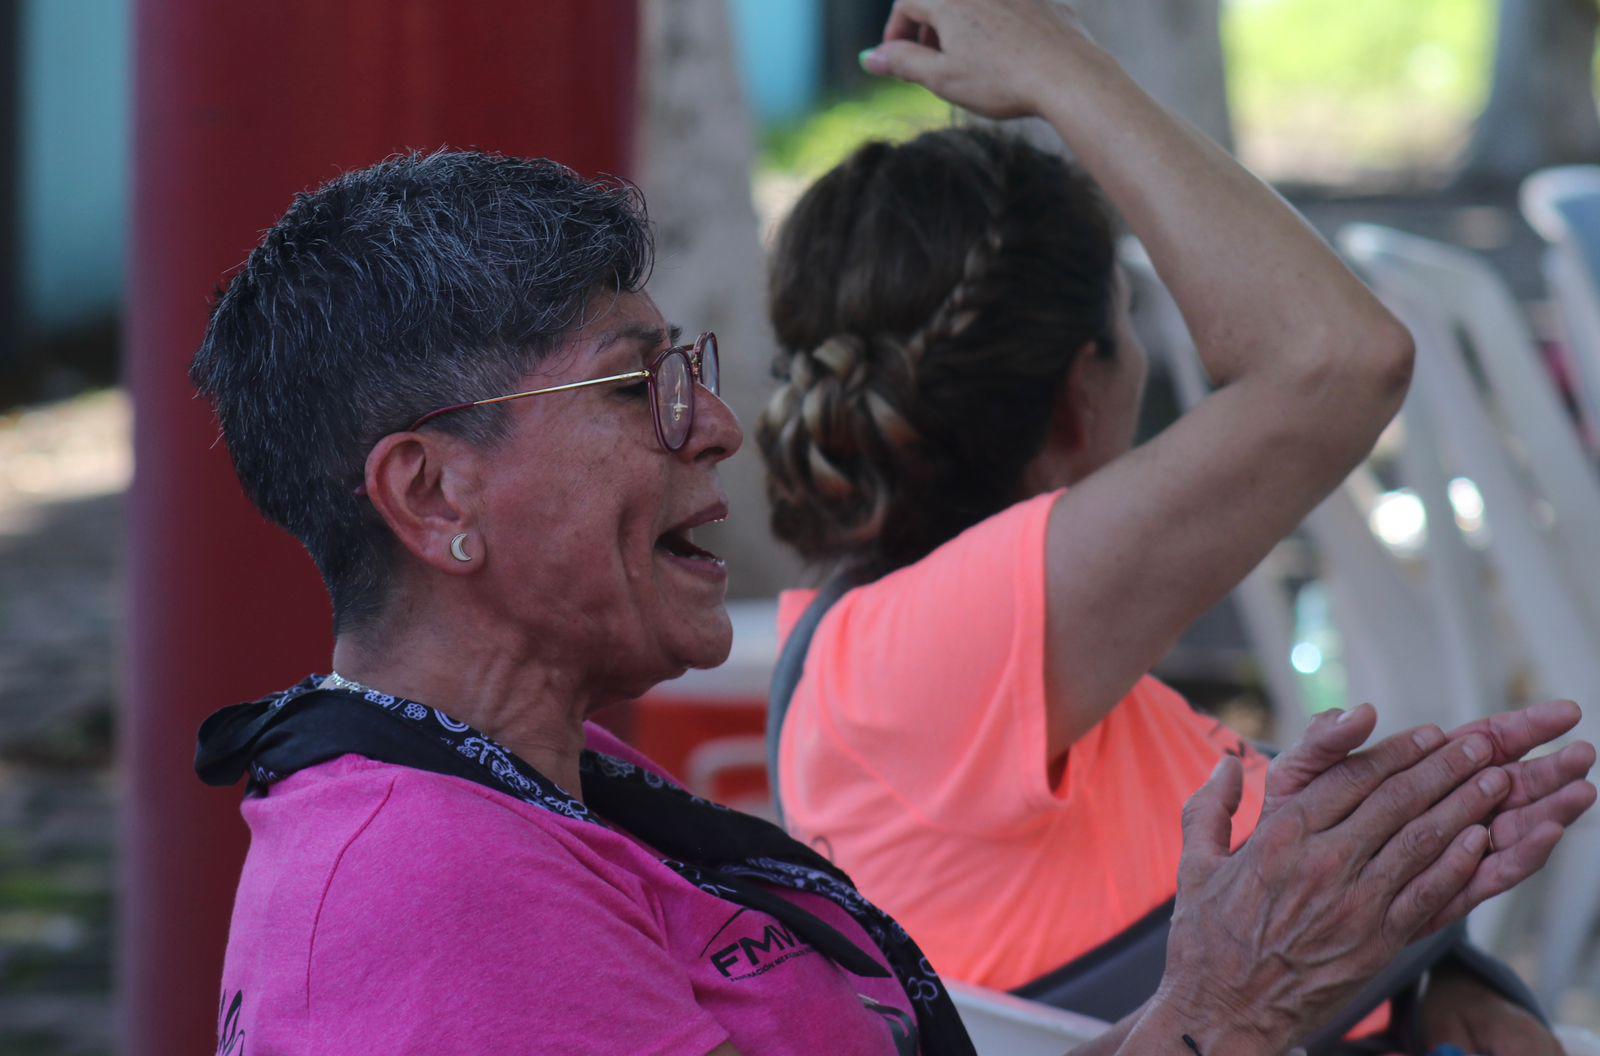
(928, 299)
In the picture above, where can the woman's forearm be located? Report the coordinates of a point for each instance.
(1258, 287)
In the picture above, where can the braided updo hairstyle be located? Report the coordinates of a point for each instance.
(928, 299)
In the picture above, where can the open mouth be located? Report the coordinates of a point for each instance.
(678, 543)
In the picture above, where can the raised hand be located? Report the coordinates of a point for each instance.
(993, 57)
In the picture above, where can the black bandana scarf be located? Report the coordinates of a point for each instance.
(721, 851)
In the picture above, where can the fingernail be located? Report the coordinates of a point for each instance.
(1492, 782)
(864, 56)
(1428, 738)
(1554, 709)
(1353, 712)
(1477, 839)
(1340, 715)
(1476, 748)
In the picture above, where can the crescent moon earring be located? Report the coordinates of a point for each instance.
(458, 548)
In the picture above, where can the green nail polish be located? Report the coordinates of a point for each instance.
(865, 54)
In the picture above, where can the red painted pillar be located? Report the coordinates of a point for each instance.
(237, 107)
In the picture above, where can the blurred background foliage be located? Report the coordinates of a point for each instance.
(1322, 91)
(1320, 88)
(806, 148)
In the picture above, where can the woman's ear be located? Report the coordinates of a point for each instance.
(1072, 418)
(421, 485)
(1065, 457)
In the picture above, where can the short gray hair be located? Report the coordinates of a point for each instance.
(422, 281)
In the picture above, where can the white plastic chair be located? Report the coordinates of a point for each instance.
(1521, 409)
(1497, 419)
(1578, 1041)
(1477, 660)
(1390, 648)
(1392, 641)
(1563, 205)
(1503, 427)
(1002, 1024)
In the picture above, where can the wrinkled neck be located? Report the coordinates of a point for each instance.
(479, 675)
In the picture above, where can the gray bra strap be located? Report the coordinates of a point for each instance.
(786, 674)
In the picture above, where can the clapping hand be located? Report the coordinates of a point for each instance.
(1544, 795)
(1356, 856)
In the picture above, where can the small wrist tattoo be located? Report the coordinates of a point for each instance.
(1187, 1040)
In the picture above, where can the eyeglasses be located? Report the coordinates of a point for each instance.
(671, 377)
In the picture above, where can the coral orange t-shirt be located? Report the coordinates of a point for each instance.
(913, 755)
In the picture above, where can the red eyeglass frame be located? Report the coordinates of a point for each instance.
(693, 353)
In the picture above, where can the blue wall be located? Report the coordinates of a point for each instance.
(779, 44)
(73, 138)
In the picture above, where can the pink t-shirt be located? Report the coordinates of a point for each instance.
(389, 910)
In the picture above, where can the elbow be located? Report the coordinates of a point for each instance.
(1395, 353)
(1365, 367)
(1379, 378)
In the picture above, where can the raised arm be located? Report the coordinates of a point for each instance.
(1309, 366)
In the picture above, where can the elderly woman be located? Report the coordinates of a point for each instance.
(444, 377)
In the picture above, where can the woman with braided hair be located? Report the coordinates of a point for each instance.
(953, 439)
